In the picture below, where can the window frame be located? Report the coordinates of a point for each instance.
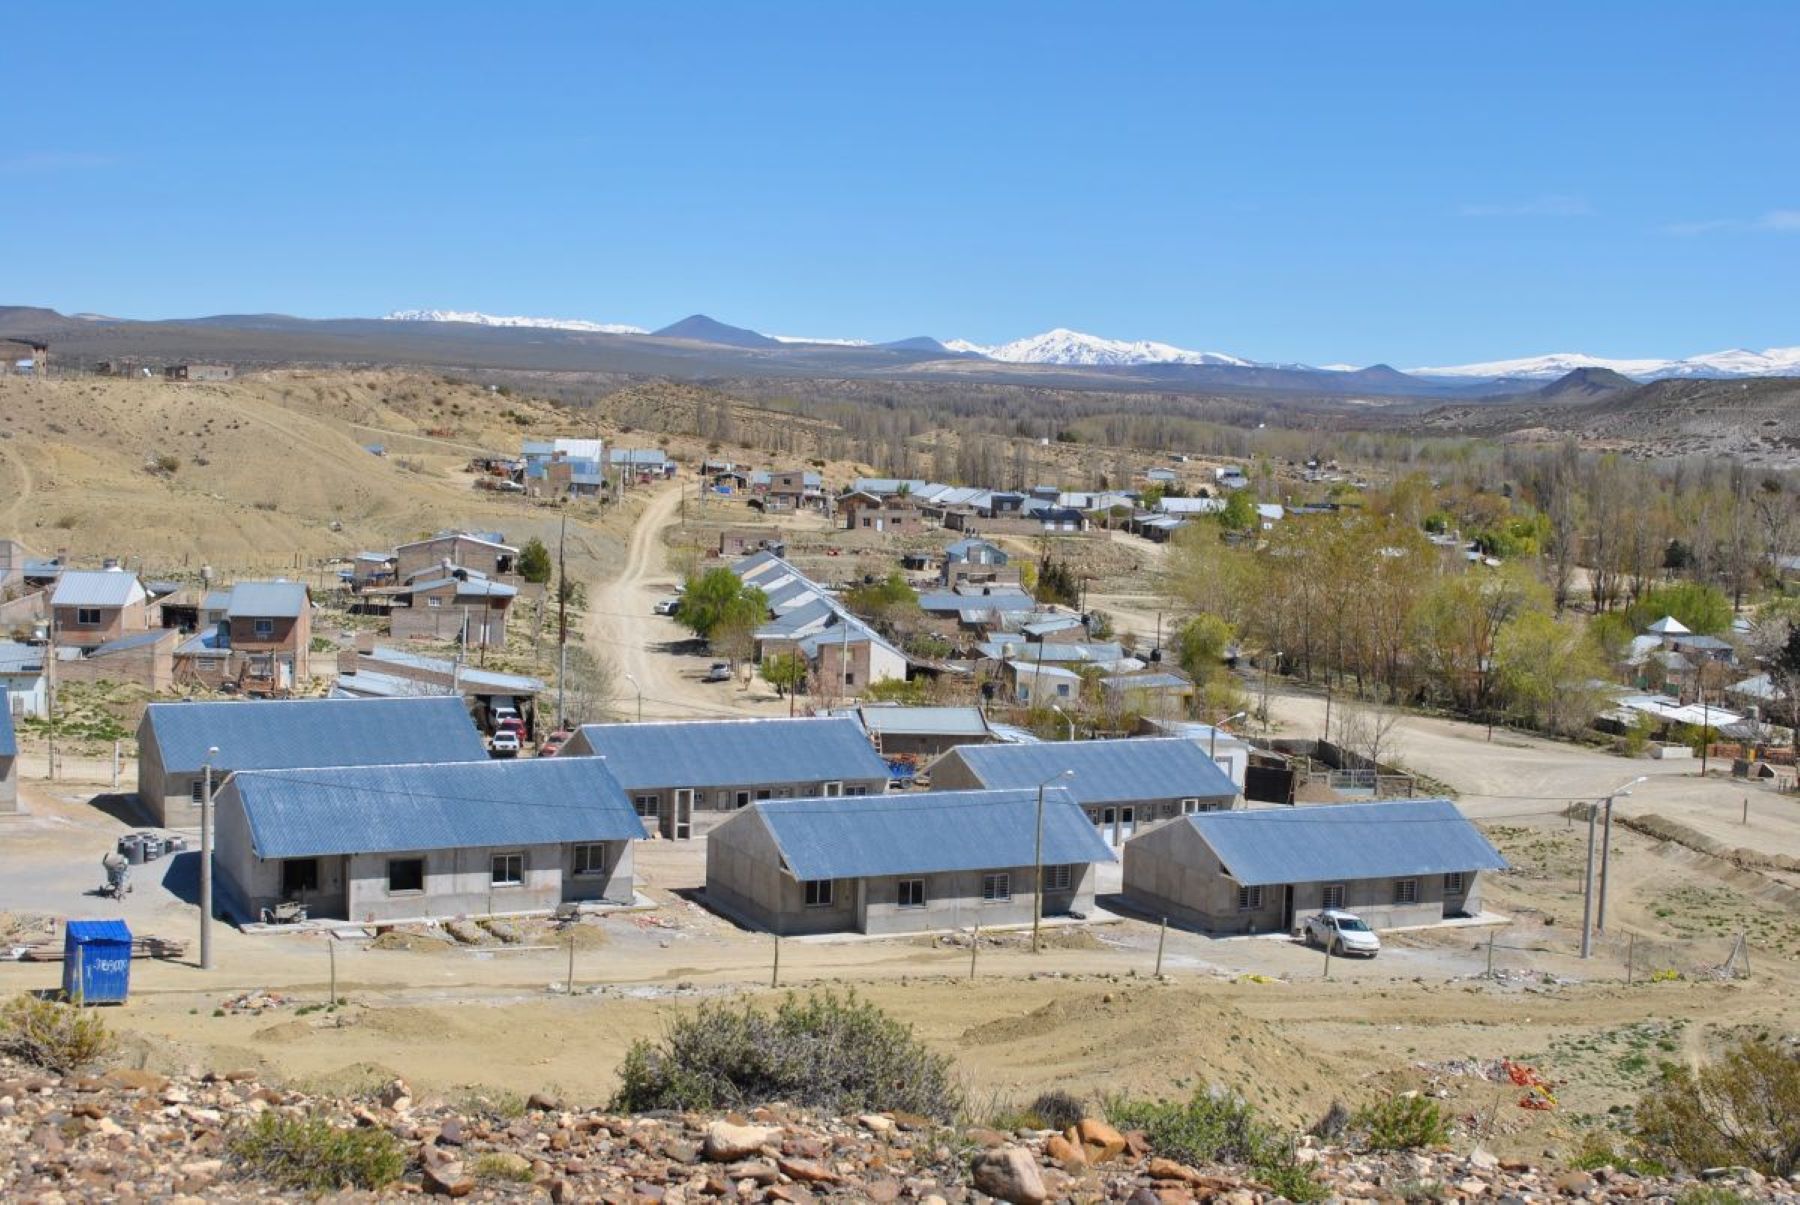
(263, 629)
(1059, 877)
(1326, 897)
(586, 851)
(1250, 898)
(1455, 881)
(817, 893)
(648, 807)
(1406, 891)
(506, 856)
(89, 617)
(909, 893)
(996, 887)
(395, 862)
(288, 864)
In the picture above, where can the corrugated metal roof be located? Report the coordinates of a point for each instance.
(372, 684)
(474, 587)
(99, 930)
(268, 600)
(9, 741)
(207, 640)
(136, 640)
(926, 833)
(1116, 771)
(1340, 842)
(925, 721)
(722, 753)
(386, 809)
(279, 734)
(16, 658)
(469, 675)
(96, 588)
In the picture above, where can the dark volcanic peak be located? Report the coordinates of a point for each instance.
(923, 343)
(1585, 383)
(701, 329)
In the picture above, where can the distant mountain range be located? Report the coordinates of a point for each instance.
(1077, 349)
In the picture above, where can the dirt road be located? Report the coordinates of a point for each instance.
(654, 650)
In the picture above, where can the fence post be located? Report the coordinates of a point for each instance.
(1746, 819)
(974, 948)
(1327, 958)
(1490, 970)
(775, 974)
(118, 754)
(331, 950)
(571, 960)
(1162, 935)
(1630, 958)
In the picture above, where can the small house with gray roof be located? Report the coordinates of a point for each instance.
(288, 734)
(483, 551)
(912, 863)
(684, 774)
(1125, 786)
(453, 604)
(92, 607)
(1401, 863)
(374, 844)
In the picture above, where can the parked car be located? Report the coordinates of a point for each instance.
(512, 724)
(719, 672)
(550, 745)
(667, 606)
(1342, 933)
(504, 743)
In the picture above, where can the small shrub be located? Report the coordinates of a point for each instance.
(1403, 1123)
(1709, 1194)
(57, 1037)
(1217, 1127)
(828, 1052)
(1331, 1127)
(1743, 1109)
(499, 1167)
(165, 463)
(1057, 1110)
(309, 1154)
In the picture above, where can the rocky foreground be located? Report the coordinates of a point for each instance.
(126, 1135)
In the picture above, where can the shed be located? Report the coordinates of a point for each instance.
(97, 961)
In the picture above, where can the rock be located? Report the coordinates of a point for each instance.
(883, 1191)
(806, 1171)
(982, 1136)
(875, 1123)
(1481, 1160)
(1472, 1187)
(509, 1164)
(1099, 1141)
(395, 1095)
(1061, 1151)
(727, 1143)
(1009, 1174)
(1574, 1183)
(448, 1179)
(135, 1079)
(450, 1133)
(539, 1102)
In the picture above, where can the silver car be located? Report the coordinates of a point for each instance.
(1342, 933)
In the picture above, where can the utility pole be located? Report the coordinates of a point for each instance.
(562, 625)
(1037, 860)
(206, 866)
(50, 694)
(1606, 852)
(1587, 891)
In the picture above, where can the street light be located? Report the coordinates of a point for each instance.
(1065, 715)
(640, 697)
(206, 867)
(1213, 752)
(1277, 655)
(1037, 860)
(1606, 850)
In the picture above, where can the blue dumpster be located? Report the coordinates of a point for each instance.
(97, 961)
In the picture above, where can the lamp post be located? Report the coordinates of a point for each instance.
(206, 866)
(636, 685)
(1213, 750)
(1065, 715)
(1606, 849)
(1277, 655)
(1037, 860)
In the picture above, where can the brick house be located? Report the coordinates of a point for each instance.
(91, 607)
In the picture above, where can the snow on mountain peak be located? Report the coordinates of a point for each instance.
(1064, 346)
(479, 319)
(1734, 362)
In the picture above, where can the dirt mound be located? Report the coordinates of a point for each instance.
(410, 939)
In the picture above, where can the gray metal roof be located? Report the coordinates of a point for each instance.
(96, 588)
(136, 640)
(268, 600)
(474, 587)
(468, 675)
(16, 658)
(386, 809)
(1117, 771)
(1340, 842)
(927, 721)
(9, 742)
(926, 833)
(723, 753)
(280, 734)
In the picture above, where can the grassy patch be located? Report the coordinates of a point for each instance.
(309, 1154)
(57, 1037)
(1217, 1127)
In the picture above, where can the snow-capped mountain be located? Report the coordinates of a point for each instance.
(478, 319)
(826, 342)
(1737, 362)
(1063, 346)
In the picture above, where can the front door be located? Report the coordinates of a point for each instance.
(682, 822)
(1127, 825)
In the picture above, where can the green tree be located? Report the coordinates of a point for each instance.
(786, 672)
(1547, 670)
(1240, 512)
(1056, 583)
(719, 601)
(1200, 646)
(1703, 609)
(534, 561)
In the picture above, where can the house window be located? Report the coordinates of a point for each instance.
(1332, 896)
(818, 893)
(1249, 899)
(832, 790)
(590, 858)
(87, 617)
(1062, 689)
(1059, 878)
(743, 799)
(299, 875)
(647, 806)
(509, 870)
(434, 602)
(1189, 806)
(996, 888)
(764, 793)
(856, 790)
(849, 677)
(1453, 882)
(265, 629)
(406, 875)
(912, 893)
(197, 792)
(1406, 891)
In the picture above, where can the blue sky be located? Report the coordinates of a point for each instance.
(1415, 183)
